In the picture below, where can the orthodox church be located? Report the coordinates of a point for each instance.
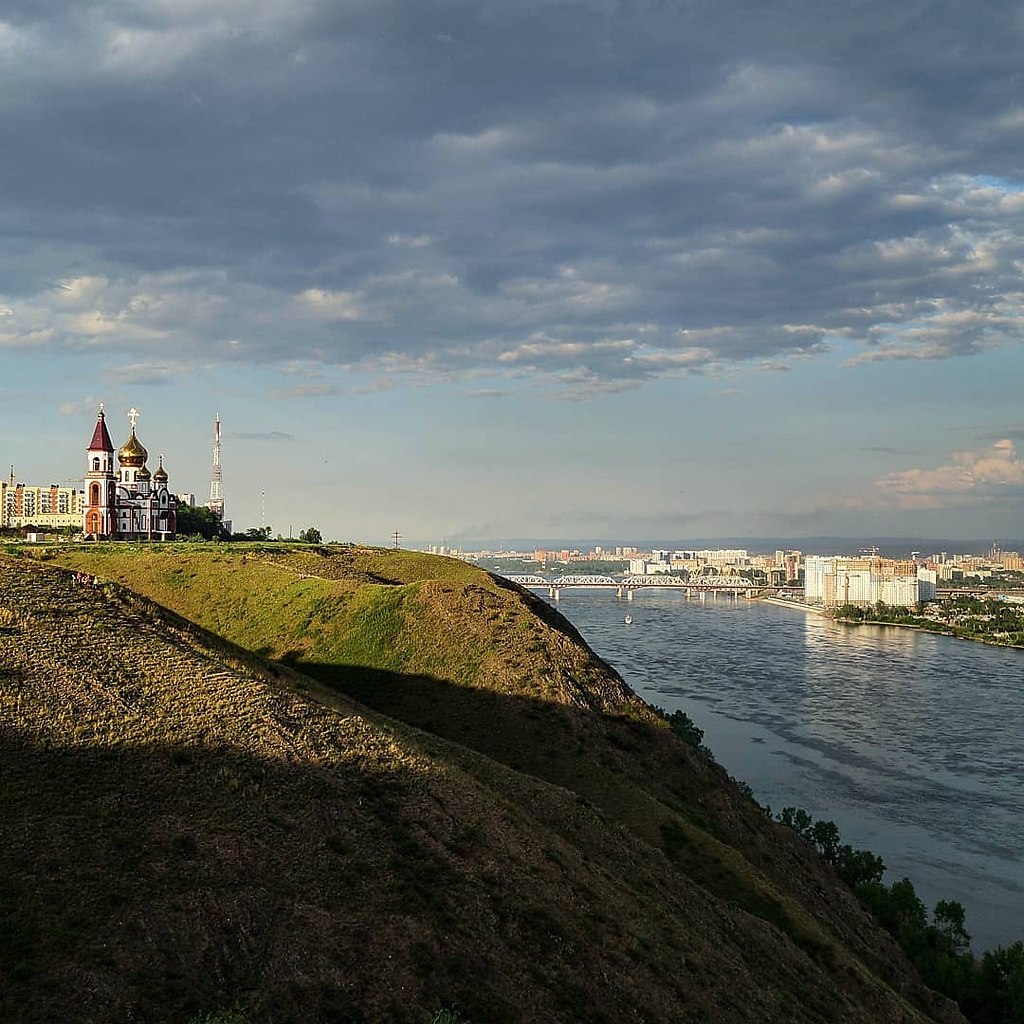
(129, 502)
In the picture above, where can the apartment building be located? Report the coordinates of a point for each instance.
(832, 580)
(48, 507)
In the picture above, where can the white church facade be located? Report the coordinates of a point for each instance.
(126, 501)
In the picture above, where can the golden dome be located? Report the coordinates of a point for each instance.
(131, 453)
(144, 474)
(160, 476)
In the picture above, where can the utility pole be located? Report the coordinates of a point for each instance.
(397, 537)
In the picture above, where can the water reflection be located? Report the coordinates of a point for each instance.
(909, 741)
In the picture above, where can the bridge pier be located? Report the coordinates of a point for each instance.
(629, 594)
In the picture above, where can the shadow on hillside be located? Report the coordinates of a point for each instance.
(156, 883)
(557, 742)
(649, 781)
(159, 883)
(163, 882)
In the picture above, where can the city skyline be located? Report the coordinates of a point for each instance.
(556, 271)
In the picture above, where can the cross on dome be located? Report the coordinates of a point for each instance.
(133, 415)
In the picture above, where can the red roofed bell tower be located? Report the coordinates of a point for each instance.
(98, 517)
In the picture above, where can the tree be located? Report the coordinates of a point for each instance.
(199, 522)
(685, 728)
(798, 820)
(900, 912)
(825, 836)
(949, 920)
(253, 533)
(859, 867)
(1002, 982)
(855, 867)
(311, 535)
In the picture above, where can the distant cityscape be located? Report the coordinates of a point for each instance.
(823, 580)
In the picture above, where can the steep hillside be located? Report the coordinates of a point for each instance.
(191, 827)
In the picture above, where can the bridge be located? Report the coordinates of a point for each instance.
(627, 585)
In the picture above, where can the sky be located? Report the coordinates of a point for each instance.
(469, 269)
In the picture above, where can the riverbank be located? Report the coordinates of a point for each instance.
(938, 630)
(798, 605)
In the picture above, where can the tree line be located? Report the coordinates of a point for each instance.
(989, 990)
(203, 523)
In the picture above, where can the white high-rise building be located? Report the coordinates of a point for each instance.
(832, 580)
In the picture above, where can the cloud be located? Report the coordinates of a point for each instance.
(969, 477)
(339, 305)
(943, 335)
(79, 408)
(319, 389)
(78, 290)
(152, 374)
(577, 197)
(488, 393)
(262, 436)
(408, 241)
(885, 449)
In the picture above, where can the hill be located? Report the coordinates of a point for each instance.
(350, 784)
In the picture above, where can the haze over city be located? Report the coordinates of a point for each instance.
(479, 270)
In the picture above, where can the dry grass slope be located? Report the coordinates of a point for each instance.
(360, 785)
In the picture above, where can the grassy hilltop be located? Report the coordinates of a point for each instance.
(352, 784)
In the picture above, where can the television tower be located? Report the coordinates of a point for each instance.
(216, 484)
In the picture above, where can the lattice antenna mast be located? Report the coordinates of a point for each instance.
(217, 483)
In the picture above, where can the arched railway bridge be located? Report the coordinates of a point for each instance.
(735, 586)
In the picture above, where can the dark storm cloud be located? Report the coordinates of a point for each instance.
(597, 192)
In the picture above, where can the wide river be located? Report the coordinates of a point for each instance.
(911, 743)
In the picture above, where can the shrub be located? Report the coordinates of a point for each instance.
(685, 728)
(448, 1016)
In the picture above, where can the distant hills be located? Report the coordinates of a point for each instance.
(348, 784)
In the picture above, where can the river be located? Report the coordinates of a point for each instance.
(910, 742)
